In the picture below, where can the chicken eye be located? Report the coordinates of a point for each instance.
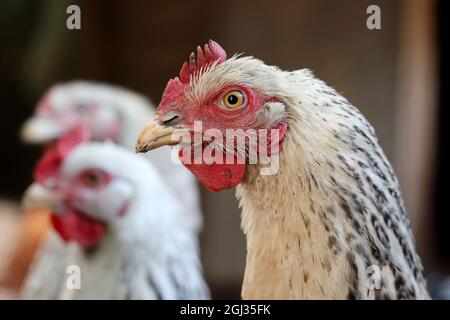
(94, 178)
(234, 99)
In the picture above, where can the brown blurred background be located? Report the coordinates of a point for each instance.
(395, 76)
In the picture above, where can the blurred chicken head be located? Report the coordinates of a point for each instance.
(85, 190)
(67, 106)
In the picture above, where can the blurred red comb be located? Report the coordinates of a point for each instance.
(51, 161)
(74, 137)
(47, 166)
(212, 52)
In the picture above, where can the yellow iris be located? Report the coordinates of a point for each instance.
(233, 99)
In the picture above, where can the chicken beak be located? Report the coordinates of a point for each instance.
(37, 195)
(39, 130)
(155, 135)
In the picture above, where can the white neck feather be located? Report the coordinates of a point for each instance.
(289, 255)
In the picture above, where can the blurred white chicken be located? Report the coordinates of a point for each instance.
(127, 235)
(110, 113)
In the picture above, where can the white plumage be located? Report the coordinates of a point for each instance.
(332, 211)
(151, 252)
(110, 113)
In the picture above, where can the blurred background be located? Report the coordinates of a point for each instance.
(397, 76)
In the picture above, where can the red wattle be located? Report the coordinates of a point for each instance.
(58, 224)
(216, 177)
(76, 226)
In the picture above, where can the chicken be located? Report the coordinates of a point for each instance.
(321, 206)
(125, 233)
(110, 113)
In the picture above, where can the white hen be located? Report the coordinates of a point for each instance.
(126, 233)
(110, 113)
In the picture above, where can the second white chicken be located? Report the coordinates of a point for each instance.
(126, 236)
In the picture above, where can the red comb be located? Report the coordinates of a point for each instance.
(212, 52)
(73, 138)
(50, 163)
(48, 166)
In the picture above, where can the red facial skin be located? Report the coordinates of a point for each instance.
(75, 225)
(72, 224)
(214, 115)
